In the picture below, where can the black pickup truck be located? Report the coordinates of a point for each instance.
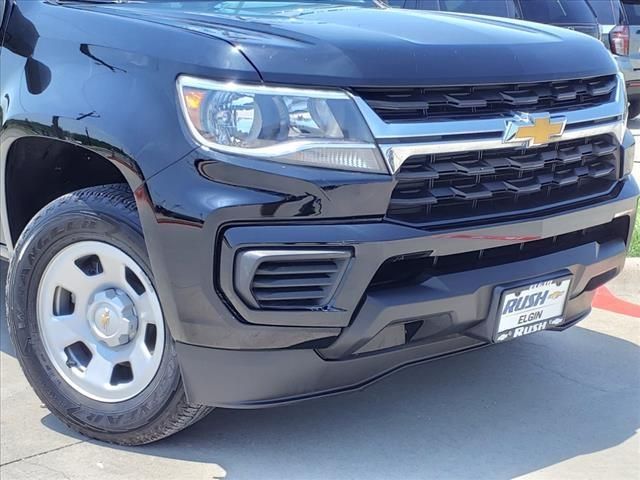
(247, 204)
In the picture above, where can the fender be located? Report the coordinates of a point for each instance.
(103, 82)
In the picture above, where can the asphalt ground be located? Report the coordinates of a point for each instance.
(550, 406)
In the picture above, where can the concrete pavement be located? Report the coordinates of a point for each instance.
(552, 406)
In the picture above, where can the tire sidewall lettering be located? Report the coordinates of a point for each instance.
(46, 236)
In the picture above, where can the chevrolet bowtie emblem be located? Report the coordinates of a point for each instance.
(534, 130)
(105, 318)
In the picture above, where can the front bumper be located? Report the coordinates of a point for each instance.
(199, 214)
(358, 342)
(253, 379)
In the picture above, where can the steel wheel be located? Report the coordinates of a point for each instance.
(86, 322)
(100, 321)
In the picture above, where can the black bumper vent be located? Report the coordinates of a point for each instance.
(291, 280)
(417, 268)
(457, 103)
(452, 188)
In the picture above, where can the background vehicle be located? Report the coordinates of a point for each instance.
(620, 25)
(573, 14)
(609, 13)
(249, 204)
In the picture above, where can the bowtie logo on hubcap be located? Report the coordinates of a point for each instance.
(105, 318)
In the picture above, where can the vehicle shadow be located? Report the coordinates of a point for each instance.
(498, 413)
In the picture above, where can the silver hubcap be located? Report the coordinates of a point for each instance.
(113, 317)
(100, 321)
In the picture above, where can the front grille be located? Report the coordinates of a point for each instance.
(462, 103)
(417, 268)
(452, 188)
(297, 283)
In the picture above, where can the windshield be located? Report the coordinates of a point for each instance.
(498, 8)
(241, 7)
(557, 12)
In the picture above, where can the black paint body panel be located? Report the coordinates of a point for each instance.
(104, 78)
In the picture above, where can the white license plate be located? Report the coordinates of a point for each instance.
(532, 309)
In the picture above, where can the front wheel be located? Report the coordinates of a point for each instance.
(87, 324)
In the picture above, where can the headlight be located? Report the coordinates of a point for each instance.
(320, 128)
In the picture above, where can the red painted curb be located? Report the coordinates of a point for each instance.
(606, 300)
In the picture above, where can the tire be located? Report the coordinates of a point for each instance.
(634, 109)
(106, 215)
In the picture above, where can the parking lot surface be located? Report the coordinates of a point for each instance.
(551, 406)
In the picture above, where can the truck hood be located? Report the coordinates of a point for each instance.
(359, 47)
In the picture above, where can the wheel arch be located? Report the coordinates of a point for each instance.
(34, 170)
(109, 89)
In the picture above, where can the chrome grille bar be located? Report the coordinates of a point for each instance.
(399, 141)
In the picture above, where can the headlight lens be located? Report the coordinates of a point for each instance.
(320, 128)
